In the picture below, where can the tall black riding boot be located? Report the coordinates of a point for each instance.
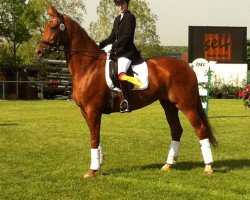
(124, 105)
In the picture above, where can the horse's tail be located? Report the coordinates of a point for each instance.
(206, 123)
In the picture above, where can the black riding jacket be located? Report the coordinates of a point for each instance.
(122, 38)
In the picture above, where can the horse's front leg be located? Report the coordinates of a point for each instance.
(93, 119)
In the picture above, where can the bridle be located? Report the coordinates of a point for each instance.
(55, 45)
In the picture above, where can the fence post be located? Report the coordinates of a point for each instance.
(3, 90)
(42, 97)
(208, 88)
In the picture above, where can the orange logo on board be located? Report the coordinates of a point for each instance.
(218, 47)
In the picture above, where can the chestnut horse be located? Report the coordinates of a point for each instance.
(171, 81)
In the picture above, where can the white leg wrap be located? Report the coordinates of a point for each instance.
(95, 159)
(101, 153)
(206, 151)
(173, 152)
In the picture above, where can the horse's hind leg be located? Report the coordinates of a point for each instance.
(171, 113)
(199, 121)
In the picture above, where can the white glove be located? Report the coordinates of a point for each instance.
(108, 48)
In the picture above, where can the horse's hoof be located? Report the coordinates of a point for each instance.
(166, 167)
(91, 173)
(208, 170)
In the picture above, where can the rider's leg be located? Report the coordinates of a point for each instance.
(123, 65)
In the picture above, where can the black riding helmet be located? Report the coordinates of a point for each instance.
(120, 1)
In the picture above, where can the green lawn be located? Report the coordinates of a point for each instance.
(45, 151)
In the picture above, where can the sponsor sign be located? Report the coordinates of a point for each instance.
(221, 44)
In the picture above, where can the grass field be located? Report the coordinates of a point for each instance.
(45, 151)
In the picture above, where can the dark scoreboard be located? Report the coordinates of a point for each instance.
(218, 43)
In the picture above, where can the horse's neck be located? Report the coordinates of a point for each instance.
(81, 50)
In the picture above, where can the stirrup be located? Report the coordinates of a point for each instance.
(124, 106)
(132, 80)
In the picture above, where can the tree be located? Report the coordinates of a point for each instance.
(146, 37)
(175, 49)
(38, 8)
(14, 30)
(13, 25)
(75, 9)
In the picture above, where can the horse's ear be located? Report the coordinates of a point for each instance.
(53, 13)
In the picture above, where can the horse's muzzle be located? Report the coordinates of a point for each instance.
(41, 50)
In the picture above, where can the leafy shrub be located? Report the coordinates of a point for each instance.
(225, 91)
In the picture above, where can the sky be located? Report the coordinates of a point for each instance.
(175, 16)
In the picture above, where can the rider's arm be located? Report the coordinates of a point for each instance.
(110, 39)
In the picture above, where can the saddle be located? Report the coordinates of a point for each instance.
(139, 71)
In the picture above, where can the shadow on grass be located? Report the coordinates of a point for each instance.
(8, 124)
(223, 166)
(233, 116)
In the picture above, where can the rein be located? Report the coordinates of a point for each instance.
(80, 51)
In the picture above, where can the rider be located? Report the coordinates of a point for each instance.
(123, 48)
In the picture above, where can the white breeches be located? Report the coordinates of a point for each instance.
(123, 64)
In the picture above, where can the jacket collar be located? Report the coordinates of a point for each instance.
(124, 13)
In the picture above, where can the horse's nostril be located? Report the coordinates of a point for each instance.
(39, 53)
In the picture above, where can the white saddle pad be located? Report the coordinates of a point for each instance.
(140, 72)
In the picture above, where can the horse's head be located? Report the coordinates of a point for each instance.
(53, 33)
